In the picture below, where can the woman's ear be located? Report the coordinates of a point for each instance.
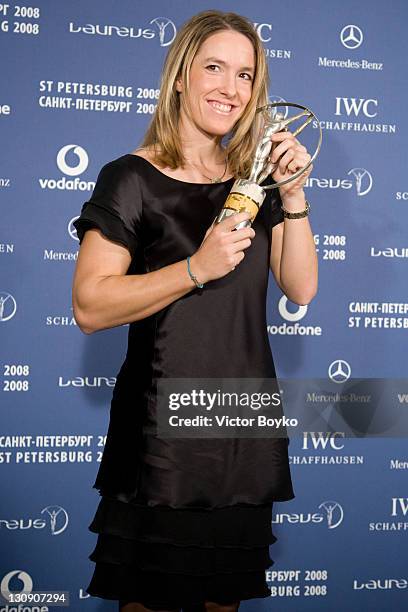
(179, 86)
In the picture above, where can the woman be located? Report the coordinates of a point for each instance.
(186, 523)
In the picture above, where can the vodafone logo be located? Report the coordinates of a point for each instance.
(292, 327)
(22, 576)
(76, 168)
(72, 161)
(290, 316)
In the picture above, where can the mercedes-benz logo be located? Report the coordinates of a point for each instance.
(351, 36)
(339, 371)
(71, 229)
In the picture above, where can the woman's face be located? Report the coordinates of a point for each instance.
(220, 85)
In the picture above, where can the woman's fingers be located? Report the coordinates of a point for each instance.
(233, 220)
(284, 142)
(241, 245)
(293, 161)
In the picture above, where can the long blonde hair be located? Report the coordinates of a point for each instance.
(163, 132)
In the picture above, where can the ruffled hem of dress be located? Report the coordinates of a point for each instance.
(118, 582)
(187, 560)
(286, 493)
(244, 527)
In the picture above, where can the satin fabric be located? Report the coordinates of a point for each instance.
(218, 332)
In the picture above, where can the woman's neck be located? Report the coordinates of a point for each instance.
(200, 149)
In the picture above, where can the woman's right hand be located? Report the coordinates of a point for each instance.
(222, 249)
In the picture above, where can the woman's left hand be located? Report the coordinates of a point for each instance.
(291, 156)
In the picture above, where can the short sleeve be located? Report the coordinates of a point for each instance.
(115, 206)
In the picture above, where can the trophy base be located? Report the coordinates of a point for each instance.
(245, 196)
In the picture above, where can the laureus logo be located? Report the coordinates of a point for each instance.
(8, 306)
(330, 513)
(167, 30)
(72, 160)
(334, 513)
(363, 180)
(56, 514)
(164, 29)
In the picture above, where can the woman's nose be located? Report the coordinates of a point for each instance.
(228, 85)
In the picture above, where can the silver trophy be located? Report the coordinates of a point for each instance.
(247, 195)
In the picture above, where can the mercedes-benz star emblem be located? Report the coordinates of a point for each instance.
(351, 36)
(339, 371)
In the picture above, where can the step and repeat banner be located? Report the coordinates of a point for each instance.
(79, 86)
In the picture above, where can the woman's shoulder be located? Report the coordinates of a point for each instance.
(145, 153)
(128, 167)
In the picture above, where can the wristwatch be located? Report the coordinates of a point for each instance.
(296, 215)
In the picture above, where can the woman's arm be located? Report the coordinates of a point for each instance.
(293, 258)
(103, 296)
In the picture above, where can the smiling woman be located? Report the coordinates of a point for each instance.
(185, 523)
(211, 62)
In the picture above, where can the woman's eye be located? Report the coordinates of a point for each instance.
(247, 76)
(213, 68)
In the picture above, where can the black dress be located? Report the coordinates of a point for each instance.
(184, 521)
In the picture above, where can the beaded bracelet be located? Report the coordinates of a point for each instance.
(192, 276)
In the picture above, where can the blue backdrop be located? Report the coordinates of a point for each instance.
(79, 85)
